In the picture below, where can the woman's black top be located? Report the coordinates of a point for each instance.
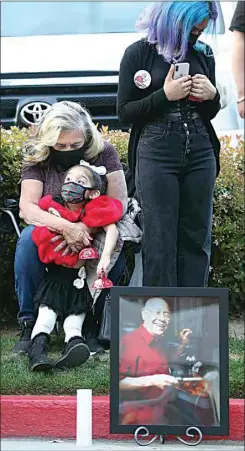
(141, 106)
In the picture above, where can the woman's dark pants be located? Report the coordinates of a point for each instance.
(175, 177)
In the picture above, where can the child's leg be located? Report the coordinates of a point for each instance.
(76, 352)
(73, 326)
(45, 321)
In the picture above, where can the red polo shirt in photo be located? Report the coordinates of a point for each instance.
(141, 355)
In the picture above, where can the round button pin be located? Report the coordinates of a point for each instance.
(142, 79)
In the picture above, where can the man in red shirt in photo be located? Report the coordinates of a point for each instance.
(145, 382)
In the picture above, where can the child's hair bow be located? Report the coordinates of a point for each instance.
(101, 170)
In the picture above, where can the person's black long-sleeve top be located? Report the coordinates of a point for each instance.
(145, 104)
(138, 107)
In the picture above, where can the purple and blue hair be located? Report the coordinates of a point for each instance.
(169, 24)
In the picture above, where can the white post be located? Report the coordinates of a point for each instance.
(84, 418)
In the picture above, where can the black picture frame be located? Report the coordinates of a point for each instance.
(221, 297)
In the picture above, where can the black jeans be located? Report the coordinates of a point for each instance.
(175, 177)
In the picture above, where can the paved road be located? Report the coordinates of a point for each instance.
(99, 445)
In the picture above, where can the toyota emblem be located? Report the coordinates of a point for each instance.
(32, 113)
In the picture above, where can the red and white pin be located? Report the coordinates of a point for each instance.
(142, 79)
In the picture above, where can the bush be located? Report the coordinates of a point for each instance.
(10, 164)
(227, 266)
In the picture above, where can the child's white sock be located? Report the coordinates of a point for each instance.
(45, 321)
(73, 326)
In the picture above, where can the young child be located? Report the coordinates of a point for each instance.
(61, 294)
(77, 202)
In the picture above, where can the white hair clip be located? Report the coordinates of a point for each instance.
(101, 170)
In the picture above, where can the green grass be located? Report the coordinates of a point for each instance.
(236, 364)
(16, 379)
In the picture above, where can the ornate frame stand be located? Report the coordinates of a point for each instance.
(144, 432)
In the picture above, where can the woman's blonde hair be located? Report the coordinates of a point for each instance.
(62, 116)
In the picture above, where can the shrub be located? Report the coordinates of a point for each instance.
(119, 139)
(227, 266)
(10, 164)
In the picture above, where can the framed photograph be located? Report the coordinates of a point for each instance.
(169, 360)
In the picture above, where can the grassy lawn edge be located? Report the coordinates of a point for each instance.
(16, 379)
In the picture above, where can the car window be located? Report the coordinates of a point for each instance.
(55, 18)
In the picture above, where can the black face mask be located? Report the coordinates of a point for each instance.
(65, 159)
(193, 39)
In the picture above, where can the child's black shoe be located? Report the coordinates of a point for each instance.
(75, 353)
(37, 353)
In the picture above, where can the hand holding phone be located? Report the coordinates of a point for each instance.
(177, 89)
(181, 70)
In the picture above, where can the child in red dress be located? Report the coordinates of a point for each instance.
(63, 292)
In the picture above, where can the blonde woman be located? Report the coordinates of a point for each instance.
(65, 136)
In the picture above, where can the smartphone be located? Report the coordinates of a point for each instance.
(181, 70)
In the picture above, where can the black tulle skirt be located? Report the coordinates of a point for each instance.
(57, 292)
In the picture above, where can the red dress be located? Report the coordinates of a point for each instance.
(98, 212)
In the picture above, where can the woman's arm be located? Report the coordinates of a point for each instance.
(31, 193)
(74, 234)
(238, 29)
(238, 67)
(238, 61)
(132, 109)
(117, 188)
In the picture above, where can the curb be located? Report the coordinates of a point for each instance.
(55, 417)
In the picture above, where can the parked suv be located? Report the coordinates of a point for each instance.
(72, 50)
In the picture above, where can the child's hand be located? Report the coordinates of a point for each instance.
(103, 265)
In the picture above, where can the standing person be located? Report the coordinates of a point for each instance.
(173, 149)
(237, 27)
(65, 136)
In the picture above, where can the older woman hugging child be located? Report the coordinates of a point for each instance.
(64, 293)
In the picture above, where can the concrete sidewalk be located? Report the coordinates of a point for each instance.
(111, 445)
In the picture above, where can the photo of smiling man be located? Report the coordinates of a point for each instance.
(145, 380)
(168, 361)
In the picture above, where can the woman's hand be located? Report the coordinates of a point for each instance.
(76, 236)
(202, 88)
(176, 89)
